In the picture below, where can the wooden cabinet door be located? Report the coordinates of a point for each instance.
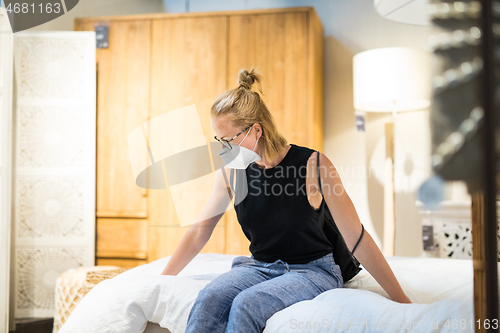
(189, 60)
(278, 45)
(122, 238)
(123, 71)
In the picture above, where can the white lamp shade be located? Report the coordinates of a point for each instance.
(404, 11)
(392, 79)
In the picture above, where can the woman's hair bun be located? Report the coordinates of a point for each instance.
(246, 78)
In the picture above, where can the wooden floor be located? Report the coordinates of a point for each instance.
(34, 325)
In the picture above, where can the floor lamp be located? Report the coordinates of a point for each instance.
(391, 79)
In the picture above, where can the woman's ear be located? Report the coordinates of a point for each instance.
(258, 131)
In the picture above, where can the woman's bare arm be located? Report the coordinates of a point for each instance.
(199, 233)
(347, 220)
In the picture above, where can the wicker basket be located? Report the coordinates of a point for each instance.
(74, 284)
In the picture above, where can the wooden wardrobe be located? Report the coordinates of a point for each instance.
(157, 63)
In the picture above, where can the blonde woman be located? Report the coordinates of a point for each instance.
(291, 257)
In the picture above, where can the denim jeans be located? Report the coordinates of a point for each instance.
(242, 299)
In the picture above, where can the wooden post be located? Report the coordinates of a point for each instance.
(478, 257)
(487, 239)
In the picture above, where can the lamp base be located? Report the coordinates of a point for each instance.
(389, 194)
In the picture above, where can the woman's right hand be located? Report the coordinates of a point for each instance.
(199, 233)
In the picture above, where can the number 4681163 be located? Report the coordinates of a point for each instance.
(32, 8)
(487, 324)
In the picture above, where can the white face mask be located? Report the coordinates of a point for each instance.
(239, 157)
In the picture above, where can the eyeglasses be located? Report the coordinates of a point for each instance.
(225, 143)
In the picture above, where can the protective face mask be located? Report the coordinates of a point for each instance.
(239, 157)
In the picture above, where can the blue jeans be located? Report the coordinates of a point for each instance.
(242, 299)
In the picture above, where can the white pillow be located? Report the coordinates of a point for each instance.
(125, 303)
(351, 310)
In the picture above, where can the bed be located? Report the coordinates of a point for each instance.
(142, 300)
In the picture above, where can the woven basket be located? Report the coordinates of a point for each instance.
(74, 284)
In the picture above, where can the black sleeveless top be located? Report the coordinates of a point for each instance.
(274, 213)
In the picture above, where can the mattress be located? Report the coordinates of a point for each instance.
(142, 300)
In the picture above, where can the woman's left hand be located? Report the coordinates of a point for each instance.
(347, 220)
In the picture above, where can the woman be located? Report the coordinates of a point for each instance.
(291, 257)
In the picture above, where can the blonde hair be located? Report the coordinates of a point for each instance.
(245, 107)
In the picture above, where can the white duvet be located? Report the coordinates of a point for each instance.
(441, 291)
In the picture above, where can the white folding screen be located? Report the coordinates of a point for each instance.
(55, 149)
(6, 38)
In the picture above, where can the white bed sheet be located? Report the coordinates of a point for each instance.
(440, 289)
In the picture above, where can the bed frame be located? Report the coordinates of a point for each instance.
(473, 159)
